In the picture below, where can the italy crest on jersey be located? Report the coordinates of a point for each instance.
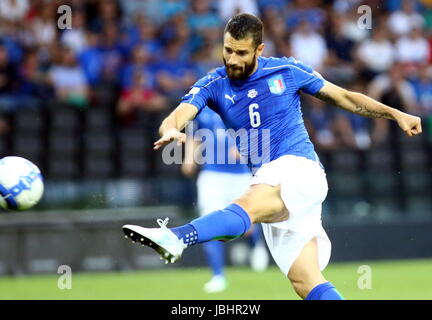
(276, 84)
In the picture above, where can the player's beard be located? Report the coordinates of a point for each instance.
(239, 73)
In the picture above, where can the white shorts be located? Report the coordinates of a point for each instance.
(216, 190)
(303, 189)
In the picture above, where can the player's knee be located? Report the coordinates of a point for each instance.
(247, 206)
(304, 282)
(301, 287)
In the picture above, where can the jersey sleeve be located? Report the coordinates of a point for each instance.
(200, 94)
(306, 79)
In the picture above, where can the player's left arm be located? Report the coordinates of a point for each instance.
(365, 106)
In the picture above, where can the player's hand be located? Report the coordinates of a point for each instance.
(170, 135)
(411, 125)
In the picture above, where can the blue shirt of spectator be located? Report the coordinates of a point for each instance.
(128, 72)
(169, 8)
(91, 61)
(314, 16)
(204, 21)
(423, 90)
(133, 39)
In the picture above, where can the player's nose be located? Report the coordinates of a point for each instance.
(233, 62)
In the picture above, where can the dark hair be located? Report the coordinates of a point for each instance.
(245, 25)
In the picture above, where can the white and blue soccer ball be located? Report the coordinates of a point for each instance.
(21, 183)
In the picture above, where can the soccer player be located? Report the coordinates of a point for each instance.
(253, 94)
(209, 144)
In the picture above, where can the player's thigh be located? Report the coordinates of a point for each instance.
(263, 203)
(305, 272)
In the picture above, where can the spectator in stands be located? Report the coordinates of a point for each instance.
(149, 8)
(206, 58)
(8, 82)
(427, 14)
(308, 45)
(337, 42)
(413, 48)
(350, 28)
(174, 72)
(305, 10)
(44, 28)
(168, 8)
(12, 39)
(275, 37)
(140, 96)
(68, 79)
(75, 38)
(375, 55)
(13, 94)
(177, 29)
(13, 10)
(202, 17)
(143, 33)
(204, 22)
(229, 8)
(320, 124)
(108, 12)
(401, 22)
(113, 55)
(8, 73)
(393, 89)
(140, 64)
(34, 82)
(423, 89)
(352, 130)
(345, 6)
(91, 59)
(264, 5)
(339, 64)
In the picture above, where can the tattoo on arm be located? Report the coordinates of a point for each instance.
(364, 111)
(357, 108)
(324, 96)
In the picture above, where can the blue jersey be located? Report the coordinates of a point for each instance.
(220, 158)
(263, 110)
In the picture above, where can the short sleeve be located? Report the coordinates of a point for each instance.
(200, 94)
(306, 79)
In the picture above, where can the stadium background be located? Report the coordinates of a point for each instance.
(85, 103)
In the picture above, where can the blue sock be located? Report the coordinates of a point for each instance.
(187, 233)
(226, 224)
(324, 291)
(215, 251)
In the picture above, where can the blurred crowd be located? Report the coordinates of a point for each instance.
(141, 56)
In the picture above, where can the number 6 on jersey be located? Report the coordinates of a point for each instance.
(255, 119)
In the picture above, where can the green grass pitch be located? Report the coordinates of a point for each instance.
(407, 279)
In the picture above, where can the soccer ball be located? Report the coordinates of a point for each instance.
(21, 183)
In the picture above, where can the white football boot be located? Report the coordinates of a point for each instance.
(162, 239)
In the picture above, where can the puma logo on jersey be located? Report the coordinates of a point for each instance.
(230, 98)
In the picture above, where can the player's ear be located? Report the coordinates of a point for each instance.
(260, 49)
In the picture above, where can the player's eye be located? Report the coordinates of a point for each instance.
(242, 53)
(228, 50)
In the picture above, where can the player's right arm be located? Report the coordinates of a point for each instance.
(172, 126)
(189, 166)
(193, 102)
